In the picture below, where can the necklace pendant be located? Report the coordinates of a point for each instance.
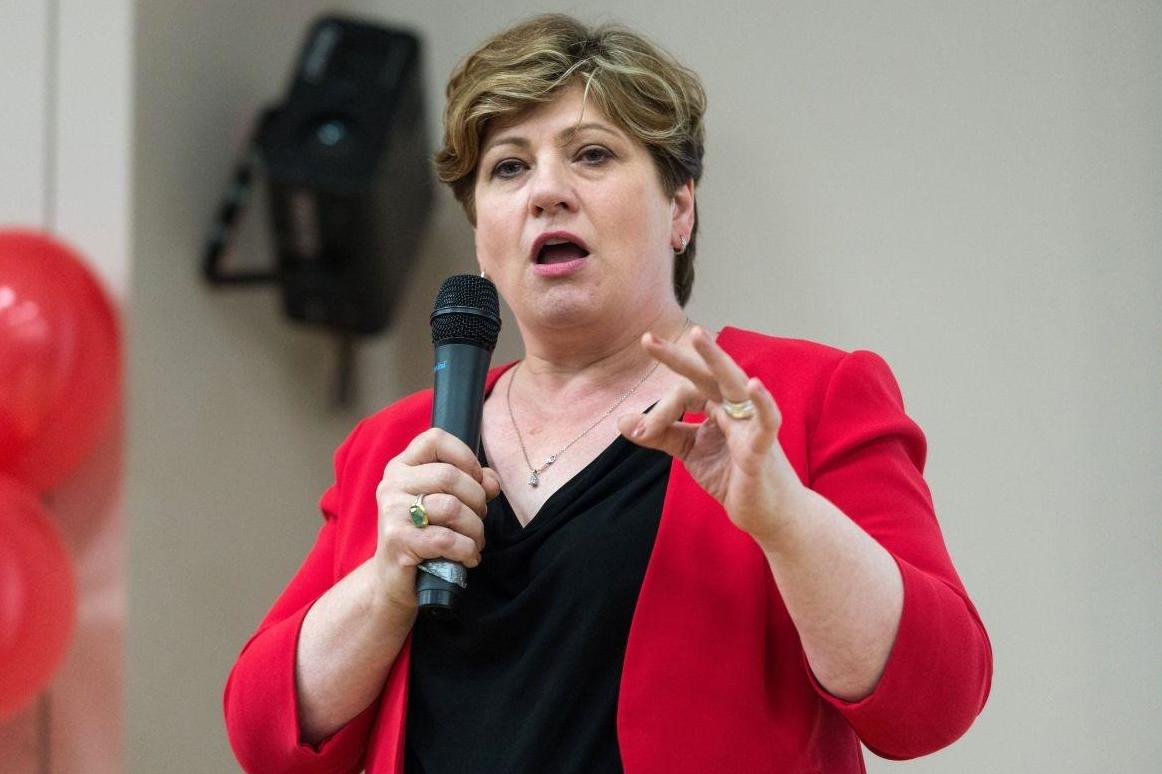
(534, 479)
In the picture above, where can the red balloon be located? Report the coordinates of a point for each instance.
(38, 599)
(60, 359)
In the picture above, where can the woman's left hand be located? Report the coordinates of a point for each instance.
(738, 461)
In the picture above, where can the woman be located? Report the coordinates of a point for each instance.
(689, 553)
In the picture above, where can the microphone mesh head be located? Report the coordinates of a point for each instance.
(467, 311)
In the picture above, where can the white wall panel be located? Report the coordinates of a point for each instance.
(93, 134)
(23, 110)
(24, 119)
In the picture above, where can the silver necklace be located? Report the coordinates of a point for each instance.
(535, 473)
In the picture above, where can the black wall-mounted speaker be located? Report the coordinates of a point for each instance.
(348, 170)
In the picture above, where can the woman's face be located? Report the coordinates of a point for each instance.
(572, 223)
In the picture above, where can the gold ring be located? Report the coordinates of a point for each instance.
(418, 512)
(741, 410)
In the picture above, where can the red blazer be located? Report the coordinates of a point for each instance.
(714, 677)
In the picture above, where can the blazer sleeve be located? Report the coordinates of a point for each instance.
(867, 457)
(260, 699)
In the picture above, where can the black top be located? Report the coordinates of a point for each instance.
(525, 680)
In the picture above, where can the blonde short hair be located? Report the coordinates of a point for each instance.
(644, 90)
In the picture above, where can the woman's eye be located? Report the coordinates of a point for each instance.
(508, 168)
(594, 154)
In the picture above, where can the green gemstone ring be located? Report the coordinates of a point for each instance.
(418, 512)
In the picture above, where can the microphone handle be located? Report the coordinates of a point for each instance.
(460, 372)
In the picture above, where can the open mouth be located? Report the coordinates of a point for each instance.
(558, 250)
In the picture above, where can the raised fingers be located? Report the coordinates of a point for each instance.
(715, 374)
(682, 361)
(729, 377)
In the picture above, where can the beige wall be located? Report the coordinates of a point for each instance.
(972, 190)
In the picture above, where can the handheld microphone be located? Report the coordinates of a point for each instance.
(465, 324)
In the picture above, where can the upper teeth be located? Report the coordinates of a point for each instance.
(556, 241)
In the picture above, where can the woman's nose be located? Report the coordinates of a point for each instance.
(550, 190)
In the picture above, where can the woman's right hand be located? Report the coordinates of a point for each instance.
(456, 492)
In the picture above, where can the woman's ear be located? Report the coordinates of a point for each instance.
(683, 211)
